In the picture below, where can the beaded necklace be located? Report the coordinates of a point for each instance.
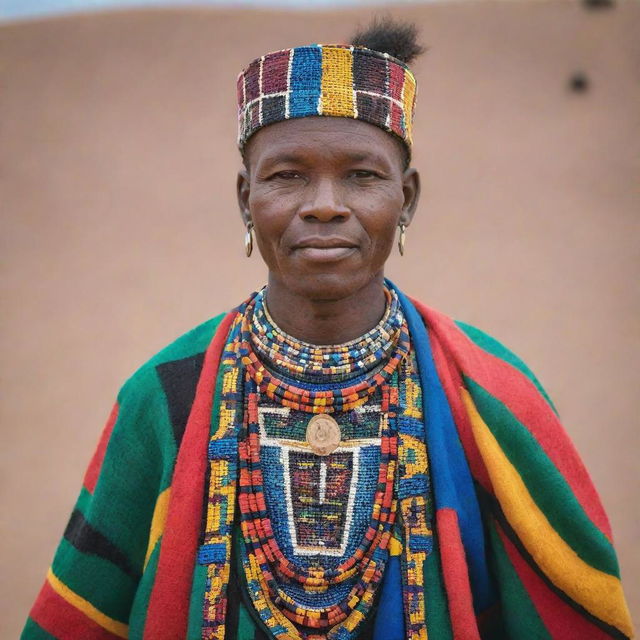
(321, 378)
(261, 361)
(276, 365)
(264, 562)
(324, 364)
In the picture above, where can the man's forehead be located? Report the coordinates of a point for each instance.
(303, 154)
(299, 139)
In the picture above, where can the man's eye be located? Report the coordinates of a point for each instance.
(286, 175)
(364, 173)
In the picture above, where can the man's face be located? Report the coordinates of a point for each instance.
(325, 196)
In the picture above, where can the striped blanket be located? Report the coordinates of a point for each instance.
(523, 546)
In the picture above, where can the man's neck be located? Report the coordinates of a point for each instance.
(326, 321)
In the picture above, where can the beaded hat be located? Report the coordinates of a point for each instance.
(327, 80)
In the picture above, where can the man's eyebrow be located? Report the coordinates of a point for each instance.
(291, 157)
(298, 158)
(366, 155)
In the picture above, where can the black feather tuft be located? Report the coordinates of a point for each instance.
(398, 39)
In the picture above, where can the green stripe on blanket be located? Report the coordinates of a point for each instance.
(141, 603)
(520, 618)
(497, 349)
(545, 483)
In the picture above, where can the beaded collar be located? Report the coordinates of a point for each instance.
(321, 378)
(236, 458)
(326, 364)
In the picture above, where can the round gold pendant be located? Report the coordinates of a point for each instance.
(323, 434)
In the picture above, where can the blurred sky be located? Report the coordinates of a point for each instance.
(14, 9)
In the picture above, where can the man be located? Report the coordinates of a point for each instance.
(332, 459)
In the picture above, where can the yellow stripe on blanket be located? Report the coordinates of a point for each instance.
(157, 522)
(599, 593)
(117, 628)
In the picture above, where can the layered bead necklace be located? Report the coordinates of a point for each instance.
(318, 380)
(313, 558)
(321, 378)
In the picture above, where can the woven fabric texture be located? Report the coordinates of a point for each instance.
(326, 80)
(521, 545)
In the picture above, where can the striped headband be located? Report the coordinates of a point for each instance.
(327, 80)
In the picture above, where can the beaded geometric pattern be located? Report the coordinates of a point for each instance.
(326, 80)
(312, 498)
(215, 550)
(317, 531)
(304, 599)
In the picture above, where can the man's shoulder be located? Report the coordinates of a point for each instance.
(497, 349)
(178, 361)
(492, 345)
(473, 336)
(191, 343)
(476, 344)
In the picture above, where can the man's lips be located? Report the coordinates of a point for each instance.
(324, 249)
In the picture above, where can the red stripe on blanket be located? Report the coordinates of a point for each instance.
(523, 399)
(168, 612)
(452, 383)
(561, 620)
(456, 576)
(93, 470)
(62, 620)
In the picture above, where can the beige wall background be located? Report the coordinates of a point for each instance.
(120, 229)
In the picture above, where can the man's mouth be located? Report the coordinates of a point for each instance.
(325, 249)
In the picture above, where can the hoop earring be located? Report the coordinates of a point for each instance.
(248, 239)
(401, 238)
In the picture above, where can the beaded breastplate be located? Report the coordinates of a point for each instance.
(317, 523)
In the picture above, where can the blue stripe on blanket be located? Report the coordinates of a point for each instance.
(450, 474)
(389, 624)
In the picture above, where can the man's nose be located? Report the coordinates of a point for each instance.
(324, 202)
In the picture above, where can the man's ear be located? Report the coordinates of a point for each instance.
(243, 187)
(411, 191)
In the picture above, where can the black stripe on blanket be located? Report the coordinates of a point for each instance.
(179, 379)
(86, 539)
